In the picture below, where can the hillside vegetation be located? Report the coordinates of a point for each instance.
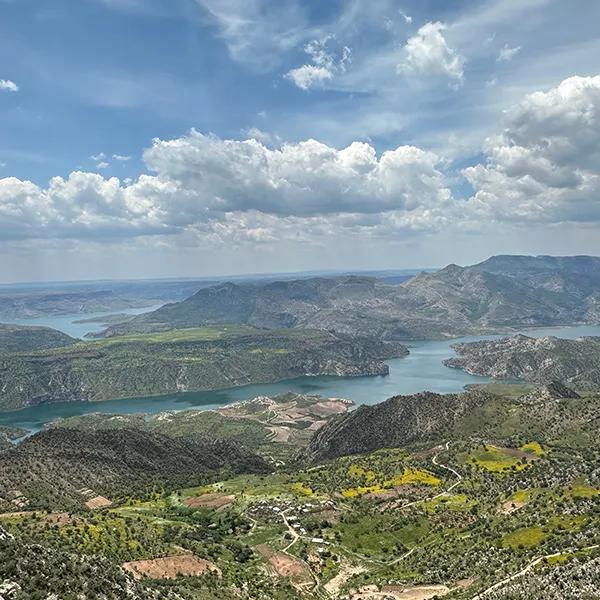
(184, 360)
(423, 417)
(20, 338)
(63, 468)
(539, 360)
(500, 499)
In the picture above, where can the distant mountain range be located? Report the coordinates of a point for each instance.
(575, 362)
(499, 294)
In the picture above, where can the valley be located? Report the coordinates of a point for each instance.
(333, 439)
(462, 513)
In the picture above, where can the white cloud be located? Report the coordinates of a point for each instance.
(507, 53)
(264, 137)
(102, 165)
(545, 166)
(258, 32)
(205, 184)
(308, 75)
(407, 18)
(121, 157)
(98, 157)
(324, 64)
(7, 85)
(428, 53)
(308, 178)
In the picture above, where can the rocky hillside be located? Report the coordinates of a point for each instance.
(185, 360)
(397, 422)
(575, 362)
(19, 338)
(475, 415)
(496, 295)
(60, 465)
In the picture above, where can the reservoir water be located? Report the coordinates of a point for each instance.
(421, 370)
(70, 324)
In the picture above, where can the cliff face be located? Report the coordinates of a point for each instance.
(187, 360)
(541, 360)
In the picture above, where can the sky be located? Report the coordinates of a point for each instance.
(165, 138)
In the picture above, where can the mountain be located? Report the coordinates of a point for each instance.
(477, 414)
(185, 360)
(57, 466)
(501, 293)
(539, 360)
(399, 421)
(19, 338)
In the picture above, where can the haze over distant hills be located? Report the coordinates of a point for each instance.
(498, 294)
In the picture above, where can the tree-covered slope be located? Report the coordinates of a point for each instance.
(54, 467)
(539, 360)
(184, 360)
(20, 338)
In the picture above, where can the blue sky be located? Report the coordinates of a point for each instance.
(430, 143)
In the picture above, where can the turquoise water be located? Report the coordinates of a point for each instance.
(68, 324)
(421, 370)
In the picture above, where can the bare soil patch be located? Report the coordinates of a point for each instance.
(399, 592)
(216, 501)
(418, 592)
(168, 567)
(511, 506)
(346, 572)
(284, 564)
(98, 502)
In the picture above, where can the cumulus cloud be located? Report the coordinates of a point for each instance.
(98, 157)
(205, 183)
(7, 85)
(264, 137)
(428, 53)
(545, 166)
(324, 64)
(121, 157)
(507, 53)
(298, 179)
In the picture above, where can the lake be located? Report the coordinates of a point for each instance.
(69, 325)
(421, 370)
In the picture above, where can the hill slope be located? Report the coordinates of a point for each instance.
(19, 338)
(426, 417)
(576, 362)
(184, 360)
(498, 294)
(53, 466)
